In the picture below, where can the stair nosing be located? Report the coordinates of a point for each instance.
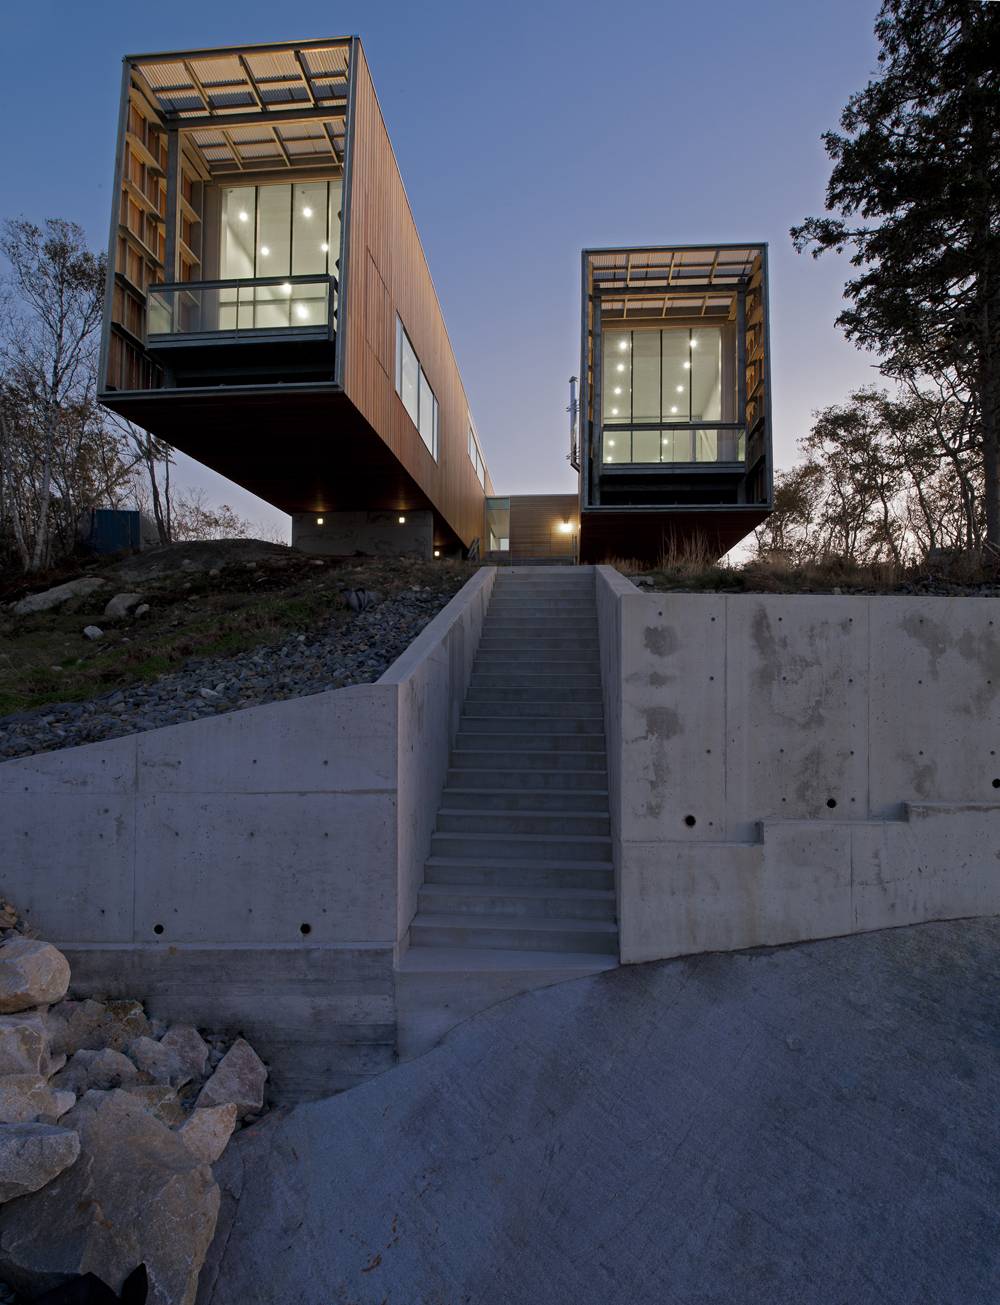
(563, 924)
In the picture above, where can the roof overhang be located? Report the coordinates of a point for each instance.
(670, 281)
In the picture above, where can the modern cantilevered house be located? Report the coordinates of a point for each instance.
(675, 424)
(269, 307)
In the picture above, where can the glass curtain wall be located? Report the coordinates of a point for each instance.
(280, 230)
(663, 379)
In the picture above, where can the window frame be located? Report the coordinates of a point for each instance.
(476, 454)
(423, 382)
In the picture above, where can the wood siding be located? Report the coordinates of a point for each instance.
(534, 525)
(386, 275)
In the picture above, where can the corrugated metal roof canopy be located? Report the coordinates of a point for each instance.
(683, 281)
(271, 105)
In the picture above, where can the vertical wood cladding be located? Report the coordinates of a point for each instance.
(387, 274)
(535, 521)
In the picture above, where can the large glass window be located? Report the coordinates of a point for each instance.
(618, 376)
(646, 376)
(281, 230)
(414, 389)
(475, 456)
(672, 375)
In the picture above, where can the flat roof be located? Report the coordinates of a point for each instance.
(671, 280)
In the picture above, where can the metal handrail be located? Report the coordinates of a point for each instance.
(237, 281)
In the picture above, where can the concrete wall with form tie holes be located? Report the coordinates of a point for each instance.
(787, 767)
(258, 870)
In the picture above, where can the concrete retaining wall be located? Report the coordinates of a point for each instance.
(255, 870)
(785, 767)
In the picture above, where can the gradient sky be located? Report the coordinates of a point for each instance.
(524, 132)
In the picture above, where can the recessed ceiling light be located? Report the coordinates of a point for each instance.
(623, 345)
(694, 344)
(674, 408)
(680, 389)
(301, 310)
(307, 211)
(618, 389)
(244, 215)
(621, 367)
(611, 443)
(687, 366)
(286, 287)
(325, 247)
(264, 250)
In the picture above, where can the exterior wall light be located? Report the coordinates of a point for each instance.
(402, 521)
(565, 526)
(319, 521)
(437, 552)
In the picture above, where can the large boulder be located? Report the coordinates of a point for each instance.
(25, 1098)
(207, 1131)
(31, 1155)
(24, 1044)
(239, 1078)
(160, 1099)
(136, 1195)
(189, 1047)
(32, 973)
(120, 606)
(51, 598)
(90, 1025)
(100, 1070)
(177, 1058)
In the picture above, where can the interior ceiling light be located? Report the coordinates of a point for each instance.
(694, 344)
(614, 412)
(264, 251)
(680, 389)
(687, 366)
(618, 389)
(301, 310)
(674, 408)
(244, 215)
(325, 247)
(286, 287)
(623, 345)
(611, 443)
(621, 367)
(307, 211)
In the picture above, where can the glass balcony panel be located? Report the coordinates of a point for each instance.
(645, 446)
(240, 307)
(617, 446)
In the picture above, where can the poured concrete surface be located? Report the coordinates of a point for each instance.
(814, 1124)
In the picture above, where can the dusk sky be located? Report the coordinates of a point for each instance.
(524, 132)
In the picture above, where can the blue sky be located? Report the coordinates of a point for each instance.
(524, 132)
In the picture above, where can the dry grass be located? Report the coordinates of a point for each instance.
(45, 658)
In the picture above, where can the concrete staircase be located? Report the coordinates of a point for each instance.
(520, 881)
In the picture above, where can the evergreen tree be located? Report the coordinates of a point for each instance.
(914, 194)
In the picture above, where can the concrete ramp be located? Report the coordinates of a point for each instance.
(815, 1124)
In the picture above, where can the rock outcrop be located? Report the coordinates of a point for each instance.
(50, 598)
(109, 1125)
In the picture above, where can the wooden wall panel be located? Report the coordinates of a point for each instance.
(384, 246)
(535, 521)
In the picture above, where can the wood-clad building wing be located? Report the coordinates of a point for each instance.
(264, 273)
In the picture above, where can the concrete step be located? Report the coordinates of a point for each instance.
(526, 933)
(531, 684)
(473, 961)
(525, 759)
(550, 710)
(542, 659)
(544, 903)
(531, 607)
(547, 622)
(558, 646)
(502, 799)
(531, 725)
(548, 742)
(516, 674)
(464, 820)
(571, 695)
(537, 847)
(527, 873)
(526, 778)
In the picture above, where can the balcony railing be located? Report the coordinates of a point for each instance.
(699, 443)
(241, 309)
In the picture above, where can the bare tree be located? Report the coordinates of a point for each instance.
(48, 345)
